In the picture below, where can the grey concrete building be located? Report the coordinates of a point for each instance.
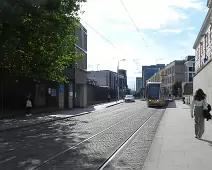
(189, 68)
(174, 72)
(107, 78)
(77, 74)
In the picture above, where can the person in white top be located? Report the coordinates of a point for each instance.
(197, 106)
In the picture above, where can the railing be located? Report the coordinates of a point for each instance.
(188, 99)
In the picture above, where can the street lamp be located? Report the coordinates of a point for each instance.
(118, 77)
(98, 67)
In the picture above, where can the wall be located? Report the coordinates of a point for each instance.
(14, 92)
(99, 77)
(97, 94)
(202, 80)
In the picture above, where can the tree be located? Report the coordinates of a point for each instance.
(38, 37)
(177, 88)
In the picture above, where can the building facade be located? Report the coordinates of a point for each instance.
(158, 77)
(203, 56)
(149, 71)
(47, 94)
(139, 81)
(77, 74)
(189, 68)
(107, 78)
(174, 72)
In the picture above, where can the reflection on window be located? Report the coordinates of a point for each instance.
(153, 92)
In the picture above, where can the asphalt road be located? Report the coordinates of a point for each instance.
(83, 142)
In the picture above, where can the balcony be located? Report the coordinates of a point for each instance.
(209, 4)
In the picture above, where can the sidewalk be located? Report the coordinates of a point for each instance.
(175, 146)
(9, 124)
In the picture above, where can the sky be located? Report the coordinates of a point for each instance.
(164, 30)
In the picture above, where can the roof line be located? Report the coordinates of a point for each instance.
(202, 28)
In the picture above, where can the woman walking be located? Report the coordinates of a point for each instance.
(197, 106)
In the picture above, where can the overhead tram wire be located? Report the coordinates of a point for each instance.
(99, 34)
(134, 24)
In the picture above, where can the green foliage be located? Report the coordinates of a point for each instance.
(176, 87)
(37, 37)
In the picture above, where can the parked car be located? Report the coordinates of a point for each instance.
(129, 98)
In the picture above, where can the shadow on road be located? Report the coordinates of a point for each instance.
(32, 147)
(22, 122)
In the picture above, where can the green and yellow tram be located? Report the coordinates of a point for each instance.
(156, 94)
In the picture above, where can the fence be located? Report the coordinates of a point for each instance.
(188, 99)
(96, 94)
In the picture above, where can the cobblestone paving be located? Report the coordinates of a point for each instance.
(93, 153)
(134, 154)
(45, 117)
(33, 145)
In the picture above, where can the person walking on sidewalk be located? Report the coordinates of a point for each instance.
(108, 97)
(29, 103)
(197, 106)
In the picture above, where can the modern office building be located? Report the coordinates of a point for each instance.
(149, 71)
(158, 77)
(139, 81)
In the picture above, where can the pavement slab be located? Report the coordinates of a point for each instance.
(175, 146)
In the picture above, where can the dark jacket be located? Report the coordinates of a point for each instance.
(206, 113)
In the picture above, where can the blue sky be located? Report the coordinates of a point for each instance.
(169, 28)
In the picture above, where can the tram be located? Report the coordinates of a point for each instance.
(156, 94)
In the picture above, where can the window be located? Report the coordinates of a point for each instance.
(153, 91)
(201, 48)
(210, 33)
(206, 37)
(190, 75)
(190, 79)
(193, 64)
(190, 69)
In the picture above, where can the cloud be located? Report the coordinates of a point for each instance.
(191, 28)
(110, 19)
(171, 30)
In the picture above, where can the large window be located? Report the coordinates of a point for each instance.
(153, 91)
(191, 68)
(190, 77)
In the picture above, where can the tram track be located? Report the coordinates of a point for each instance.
(105, 163)
(56, 155)
(37, 137)
(123, 146)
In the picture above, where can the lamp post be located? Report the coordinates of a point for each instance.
(118, 78)
(98, 67)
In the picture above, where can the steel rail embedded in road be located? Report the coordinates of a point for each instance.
(107, 161)
(51, 120)
(75, 146)
(29, 143)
